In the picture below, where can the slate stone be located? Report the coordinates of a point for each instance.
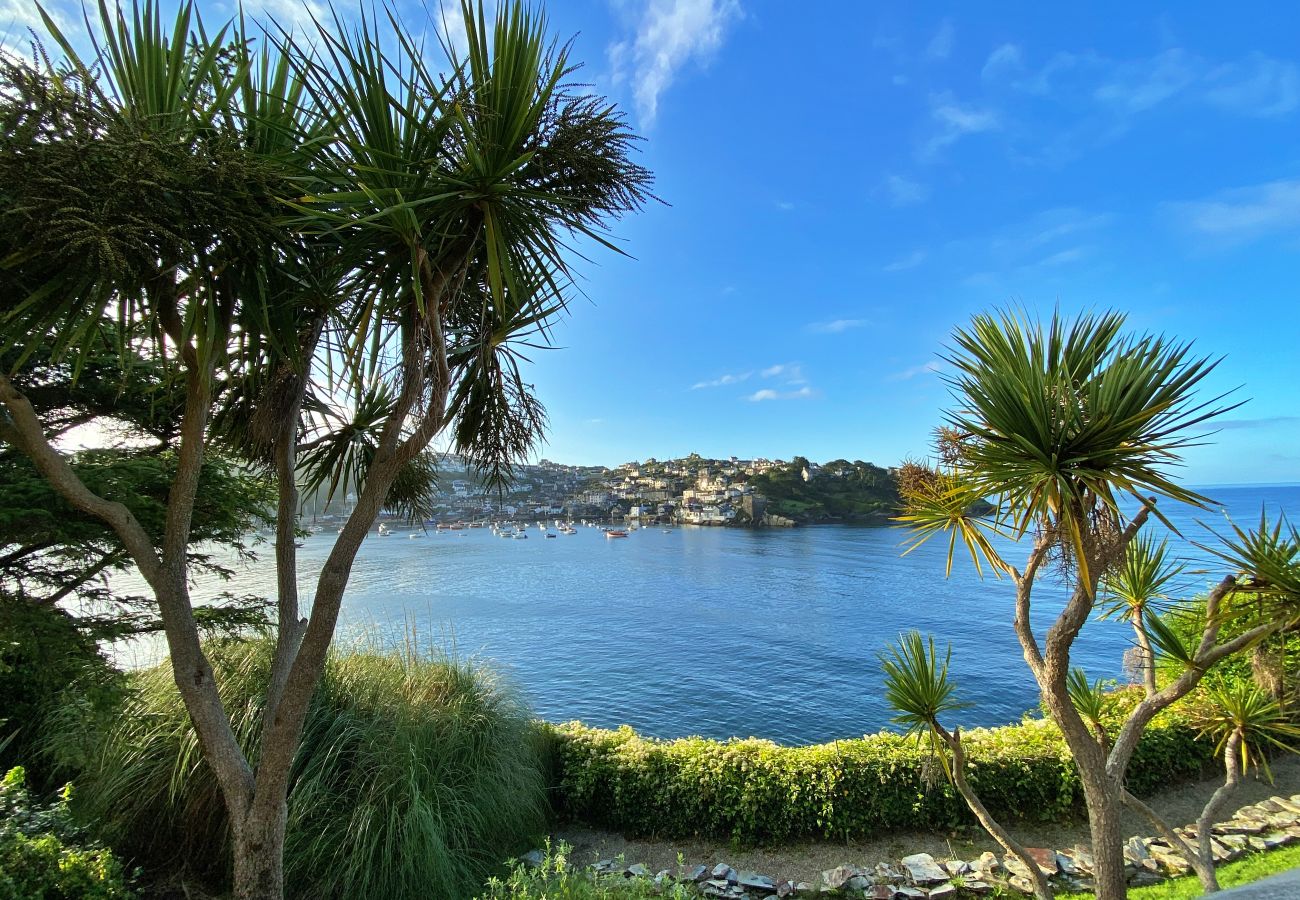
(1045, 858)
(944, 891)
(636, 871)
(533, 858)
(922, 869)
(757, 882)
(839, 876)
(698, 874)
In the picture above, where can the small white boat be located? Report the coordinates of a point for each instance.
(384, 530)
(521, 536)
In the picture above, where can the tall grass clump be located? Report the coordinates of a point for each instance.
(416, 776)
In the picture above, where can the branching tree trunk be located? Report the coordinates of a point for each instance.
(1042, 889)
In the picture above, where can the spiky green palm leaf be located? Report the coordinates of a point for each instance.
(1139, 583)
(1243, 707)
(1055, 424)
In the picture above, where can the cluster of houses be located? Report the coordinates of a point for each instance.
(693, 490)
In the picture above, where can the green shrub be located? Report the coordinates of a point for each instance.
(758, 791)
(412, 772)
(44, 856)
(555, 879)
(47, 666)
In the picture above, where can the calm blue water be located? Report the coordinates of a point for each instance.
(720, 632)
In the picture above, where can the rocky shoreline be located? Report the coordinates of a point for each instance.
(1267, 825)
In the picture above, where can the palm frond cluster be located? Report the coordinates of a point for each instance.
(340, 206)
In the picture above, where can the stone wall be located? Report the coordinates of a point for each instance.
(1263, 826)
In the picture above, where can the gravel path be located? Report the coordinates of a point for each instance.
(806, 861)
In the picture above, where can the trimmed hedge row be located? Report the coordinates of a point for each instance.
(755, 791)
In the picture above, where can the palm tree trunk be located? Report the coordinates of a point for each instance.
(1148, 655)
(1212, 810)
(1042, 890)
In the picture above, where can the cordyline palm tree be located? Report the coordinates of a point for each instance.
(1135, 588)
(1246, 724)
(324, 231)
(1053, 427)
(918, 688)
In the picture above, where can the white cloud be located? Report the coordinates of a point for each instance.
(836, 326)
(940, 46)
(904, 191)
(295, 15)
(1048, 227)
(1245, 213)
(451, 26)
(1062, 257)
(910, 261)
(785, 205)
(1256, 86)
(955, 122)
(768, 394)
(908, 374)
(1002, 61)
(671, 34)
(722, 381)
(789, 373)
(1139, 85)
(18, 18)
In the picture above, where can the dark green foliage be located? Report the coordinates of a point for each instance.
(853, 491)
(47, 667)
(758, 791)
(412, 772)
(45, 856)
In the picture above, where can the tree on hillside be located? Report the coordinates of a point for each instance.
(1051, 428)
(327, 243)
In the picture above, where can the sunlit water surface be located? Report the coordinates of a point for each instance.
(717, 631)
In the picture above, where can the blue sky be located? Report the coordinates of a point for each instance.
(846, 185)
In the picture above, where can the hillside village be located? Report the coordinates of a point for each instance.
(693, 490)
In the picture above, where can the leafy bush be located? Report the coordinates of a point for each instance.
(754, 790)
(47, 666)
(412, 772)
(555, 879)
(44, 856)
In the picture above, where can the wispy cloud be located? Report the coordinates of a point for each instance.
(802, 393)
(955, 121)
(1245, 213)
(451, 25)
(1061, 257)
(1137, 85)
(835, 326)
(18, 18)
(670, 34)
(784, 205)
(298, 15)
(1255, 86)
(902, 191)
(1005, 59)
(910, 261)
(911, 372)
(940, 46)
(789, 373)
(1252, 424)
(722, 380)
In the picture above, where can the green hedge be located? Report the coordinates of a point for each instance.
(754, 790)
